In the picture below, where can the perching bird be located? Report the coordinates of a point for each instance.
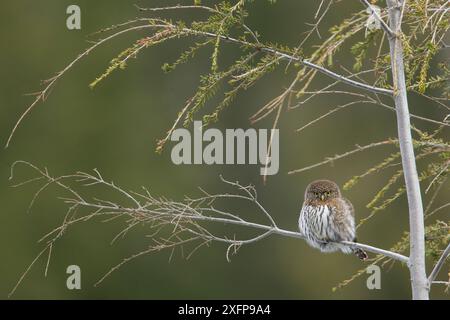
(327, 217)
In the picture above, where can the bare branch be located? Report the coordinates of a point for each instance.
(172, 224)
(439, 265)
(41, 96)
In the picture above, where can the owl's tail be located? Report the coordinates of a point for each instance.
(360, 253)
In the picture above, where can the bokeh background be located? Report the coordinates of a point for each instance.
(114, 128)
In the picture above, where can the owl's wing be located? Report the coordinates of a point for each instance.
(349, 206)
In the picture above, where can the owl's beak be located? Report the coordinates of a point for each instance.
(322, 197)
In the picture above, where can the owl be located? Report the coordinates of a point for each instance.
(327, 217)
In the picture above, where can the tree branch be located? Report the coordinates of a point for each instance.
(386, 253)
(439, 265)
(300, 60)
(286, 56)
(185, 222)
(344, 155)
(377, 16)
(419, 281)
(42, 95)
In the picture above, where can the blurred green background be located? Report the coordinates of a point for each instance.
(114, 128)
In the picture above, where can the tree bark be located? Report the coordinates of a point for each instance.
(419, 282)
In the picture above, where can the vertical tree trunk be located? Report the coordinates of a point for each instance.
(419, 282)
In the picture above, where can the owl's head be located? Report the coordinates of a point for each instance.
(322, 190)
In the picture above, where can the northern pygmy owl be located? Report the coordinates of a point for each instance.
(327, 217)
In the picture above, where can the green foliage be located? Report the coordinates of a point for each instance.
(360, 49)
(227, 18)
(437, 237)
(185, 56)
(382, 165)
(436, 172)
(120, 62)
(242, 81)
(423, 42)
(115, 64)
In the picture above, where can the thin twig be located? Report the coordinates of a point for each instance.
(380, 20)
(343, 155)
(439, 265)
